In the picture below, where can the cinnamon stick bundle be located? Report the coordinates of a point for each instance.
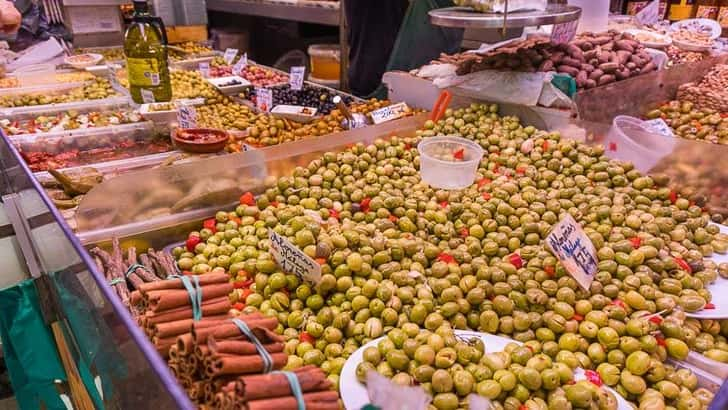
(200, 335)
(159, 300)
(178, 327)
(212, 307)
(206, 279)
(240, 347)
(323, 400)
(220, 365)
(272, 385)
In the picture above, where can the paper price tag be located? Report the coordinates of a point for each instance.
(230, 55)
(292, 260)
(575, 250)
(147, 96)
(660, 126)
(295, 78)
(239, 67)
(649, 14)
(186, 116)
(564, 32)
(389, 113)
(264, 99)
(205, 69)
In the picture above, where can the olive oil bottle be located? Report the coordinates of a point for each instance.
(145, 46)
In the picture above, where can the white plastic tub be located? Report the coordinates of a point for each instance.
(630, 139)
(445, 174)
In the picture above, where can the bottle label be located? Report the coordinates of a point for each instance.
(143, 72)
(707, 12)
(723, 17)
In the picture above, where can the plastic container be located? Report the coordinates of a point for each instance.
(630, 139)
(449, 174)
(325, 61)
(36, 74)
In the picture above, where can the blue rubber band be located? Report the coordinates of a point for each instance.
(116, 281)
(133, 268)
(267, 360)
(195, 293)
(295, 388)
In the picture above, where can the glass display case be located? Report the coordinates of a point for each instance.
(46, 262)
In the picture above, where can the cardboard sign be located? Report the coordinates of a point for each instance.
(292, 260)
(574, 250)
(264, 99)
(230, 55)
(186, 116)
(649, 14)
(564, 32)
(660, 126)
(147, 96)
(389, 113)
(295, 79)
(205, 69)
(239, 67)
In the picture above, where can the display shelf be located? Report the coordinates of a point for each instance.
(466, 17)
(297, 11)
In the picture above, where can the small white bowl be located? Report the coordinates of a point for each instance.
(81, 61)
(714, 26)
(294, 112)
(664, 40)
(220, 82)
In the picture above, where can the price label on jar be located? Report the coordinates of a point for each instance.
(147, 96)
(660, 126)
(295, 79)
(563, 32)
(389, 113)
(239, 67)
(230, 55)
(264, 99)
(649, 14)
(575, 250)
(186, 116)
(205, 69)
(292, 260)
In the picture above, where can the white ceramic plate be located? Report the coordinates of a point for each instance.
(718, 289)
(220, 82)
(81, 61)
(694, 24)
(294, 112)
(661, 40)
(355, 396)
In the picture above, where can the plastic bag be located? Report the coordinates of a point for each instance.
(499, 6)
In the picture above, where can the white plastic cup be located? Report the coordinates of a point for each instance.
(630, 140)
(594, 15)
(449, 174)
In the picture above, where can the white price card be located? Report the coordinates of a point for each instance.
(186, 116)
(660, 126)
(205, 69)
(230, 55)
(389, 113)
(264, 99)
(295, 79)
(649, 14)
(147, 96)
(574, 250)
(564, 32)
(292, 260)
(239, 67)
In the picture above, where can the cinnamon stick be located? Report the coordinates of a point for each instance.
(271, 385)
(178, 327)
(323, 400)
(160, 300)
(212, 307)
(206, 279)
(231, 330)
(222, 365)
(240, 347)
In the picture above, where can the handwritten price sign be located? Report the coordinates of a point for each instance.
(186, 116)
(239, 67)
(296, 76)
(263, 99)
(564, 32)
(230, 55)
(204, 69)
(292, 260)
(575, 250)
(389, 113)
(649, 14)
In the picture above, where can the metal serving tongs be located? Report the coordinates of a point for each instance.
(351, 120)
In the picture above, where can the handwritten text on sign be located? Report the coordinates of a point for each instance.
(292, 260)
(264, 99)
(575, 250)
(296, 76)
(205, 69)
(186, 116)
(230, 55)
(239, 67)
(389, 113)
(564, 32)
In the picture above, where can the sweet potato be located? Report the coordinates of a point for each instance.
(568, 70)
(598, 41)
(596, 74)
(622, 74)
(609, 67)
(606, 79)
(571, 61)
(623, 56)
(648, 68)
(575, 52)
(581, 79)
(626, 45)
(587, 67)
(590, 84)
